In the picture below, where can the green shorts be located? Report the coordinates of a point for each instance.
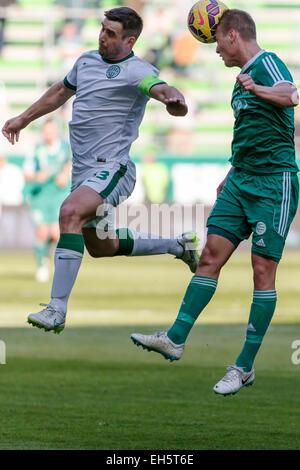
(45, 206)
(263, 205)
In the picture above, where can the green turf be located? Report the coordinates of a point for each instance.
(91, 388)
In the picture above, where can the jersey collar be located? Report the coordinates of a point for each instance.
(118, 61)
(253, 59)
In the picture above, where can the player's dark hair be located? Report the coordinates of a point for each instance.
(240, 21)
(131, 21)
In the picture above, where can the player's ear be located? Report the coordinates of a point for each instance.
(131, 41)
(232, 35)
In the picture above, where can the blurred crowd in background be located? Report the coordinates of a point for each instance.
(178, 159)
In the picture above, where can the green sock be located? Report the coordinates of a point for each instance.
(41, 251)
(126, 242)
(262, 310)
(198, 294)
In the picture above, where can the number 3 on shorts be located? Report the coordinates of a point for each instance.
(102, 175)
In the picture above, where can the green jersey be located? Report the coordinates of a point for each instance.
(263, 138)
(52, 159)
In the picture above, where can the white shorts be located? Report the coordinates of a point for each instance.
(114, 182)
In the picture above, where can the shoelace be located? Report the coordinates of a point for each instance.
(233, 372)
(49, 310)
(159, 333)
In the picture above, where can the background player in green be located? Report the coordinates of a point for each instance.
(48, 174)
(259, 196)
(112, 87)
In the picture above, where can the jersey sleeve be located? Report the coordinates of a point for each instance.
(144, 76)
(272, 71)
(70, 79)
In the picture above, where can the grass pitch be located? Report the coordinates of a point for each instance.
(91, 388)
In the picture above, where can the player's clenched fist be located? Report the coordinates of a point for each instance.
(246, 82)
(12, 128)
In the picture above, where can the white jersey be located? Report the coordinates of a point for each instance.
(109, 106)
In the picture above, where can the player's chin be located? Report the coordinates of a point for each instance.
(103, 52)
(228, 62)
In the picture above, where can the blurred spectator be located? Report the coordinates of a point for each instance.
(137, 5)
(11, 183)
(185, 51)
(48, 176)
(4, 4)
(76, 11)
(161, 56)
(156, 179)
(11, 197)
(69, 46)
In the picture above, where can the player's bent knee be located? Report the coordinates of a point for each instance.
(68, 214)
(264, 272)
(260, 273)
(209, 257)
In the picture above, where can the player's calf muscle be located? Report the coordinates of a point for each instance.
(99, 248)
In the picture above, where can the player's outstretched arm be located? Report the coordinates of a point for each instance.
(171, 97)
(54, 97)
(284, 94)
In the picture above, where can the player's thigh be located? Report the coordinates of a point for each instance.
(80, 205)
(227, 218)
(115, 186)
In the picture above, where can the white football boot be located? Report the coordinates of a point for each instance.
(49, 319)
(190, 256)
(234, 380)
(159, 342)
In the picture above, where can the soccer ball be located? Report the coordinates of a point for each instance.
(203, 19)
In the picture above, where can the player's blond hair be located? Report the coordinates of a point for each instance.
(240, 21)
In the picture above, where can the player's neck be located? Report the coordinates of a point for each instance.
(118, 58)
(249, 51)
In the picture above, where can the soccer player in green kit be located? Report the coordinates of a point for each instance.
(259, 196)
(48, 174)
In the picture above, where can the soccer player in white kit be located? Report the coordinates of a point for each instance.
(112, 88)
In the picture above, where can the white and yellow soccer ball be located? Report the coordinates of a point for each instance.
(204, 18)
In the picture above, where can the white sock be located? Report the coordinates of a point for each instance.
(149, 244)
(67, 264)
